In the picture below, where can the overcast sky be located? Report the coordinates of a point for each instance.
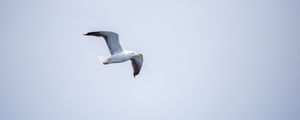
(203, 60)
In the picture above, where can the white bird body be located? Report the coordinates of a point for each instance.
(118, 55)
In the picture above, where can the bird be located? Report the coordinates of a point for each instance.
(118, 54)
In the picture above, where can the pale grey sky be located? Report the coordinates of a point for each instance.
(204, 60)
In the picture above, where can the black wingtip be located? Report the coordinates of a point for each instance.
(91, 34)
(97, 33)
(86, 34)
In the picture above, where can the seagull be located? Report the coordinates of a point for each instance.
(118, 55)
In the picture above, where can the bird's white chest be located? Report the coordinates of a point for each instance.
(120, 57)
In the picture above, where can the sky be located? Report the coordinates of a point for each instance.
(203, 60)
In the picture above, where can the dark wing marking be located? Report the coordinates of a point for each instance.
(111, 39)
(137, 62)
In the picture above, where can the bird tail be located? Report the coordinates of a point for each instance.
(101, 59)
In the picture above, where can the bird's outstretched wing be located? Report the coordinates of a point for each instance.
(137, 62)
(111, 39)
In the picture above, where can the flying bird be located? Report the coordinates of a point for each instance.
(118, 55)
